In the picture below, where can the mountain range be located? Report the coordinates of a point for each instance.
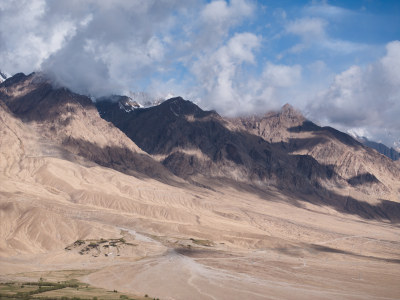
(191, 181)
(392, 153)
(281, 149)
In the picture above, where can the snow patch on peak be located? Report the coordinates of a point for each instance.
(3, 76)
(169, 96)
(146, 100)
(358, 133)
(128, 104)
(134, 100)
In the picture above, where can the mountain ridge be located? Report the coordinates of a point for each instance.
(278, 150)
(392, 153)
(72, 122)
(78, 194)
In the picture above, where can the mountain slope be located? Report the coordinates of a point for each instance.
(368, 172)
(27, 227)
(381, 148)
(72, 122)
(281, 151)
(190, 142)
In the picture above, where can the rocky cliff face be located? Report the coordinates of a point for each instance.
(349, 159)
(273, 126)
(280, 149)
(190, 142)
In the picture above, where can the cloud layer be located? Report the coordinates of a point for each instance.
(235, 56)
(91, 46)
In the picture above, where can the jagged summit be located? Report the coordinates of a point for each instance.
(177, 99)
(146, 100)
(15, 79)
(134, 101)
(290, 115)
(125, 103)
(288, 109)
(274, 126)
(34, 98)
(181, 107)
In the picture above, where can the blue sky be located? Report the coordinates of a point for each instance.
(336, 61)
(364, 25)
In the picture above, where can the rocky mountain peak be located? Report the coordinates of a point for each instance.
(34, 98)
(288, 108)
(291, 114)
(129, 104)
(181, 107)
(15, 79)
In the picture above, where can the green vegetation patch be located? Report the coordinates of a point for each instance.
(27, 290)
(66, 290)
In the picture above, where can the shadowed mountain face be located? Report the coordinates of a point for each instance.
(71, 122)
(381, 148)
(281, 152)
(190, 142)
(282, 149)
(348, 157)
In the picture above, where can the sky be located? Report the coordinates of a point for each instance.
(336, 61)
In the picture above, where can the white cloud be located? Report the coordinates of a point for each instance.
(231, 92)
(366, 99)
(221, 15)
(218, 72)
(307, 28)
(341, 46)
(313, 34)
(317, 67)
(278, 85)
(326, 10)
(102, 47)
(282, 75)
(89, 46)
(211, 26)
(194, 49)
(26, 40)
(391, 63)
